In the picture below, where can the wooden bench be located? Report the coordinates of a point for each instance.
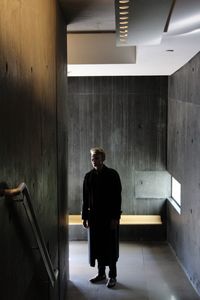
(125, 220)
(132, 228)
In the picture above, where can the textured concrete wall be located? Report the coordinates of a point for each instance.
(32, 93)
(184, 165)
(61, 152)
(127, 117)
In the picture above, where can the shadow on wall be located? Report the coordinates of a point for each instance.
(28, 148)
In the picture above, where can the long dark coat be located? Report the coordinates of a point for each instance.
(101, 204)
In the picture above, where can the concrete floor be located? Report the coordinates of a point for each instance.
(146, 271)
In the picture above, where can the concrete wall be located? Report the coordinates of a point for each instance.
(184, 165)
(126, 116)
(33, 143)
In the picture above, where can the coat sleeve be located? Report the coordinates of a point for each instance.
(117, 198)
(85, 203)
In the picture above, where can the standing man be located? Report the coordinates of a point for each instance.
(101, 212)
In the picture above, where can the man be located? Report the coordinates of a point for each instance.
(101, 212)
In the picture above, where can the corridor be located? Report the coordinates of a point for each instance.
(146, 271)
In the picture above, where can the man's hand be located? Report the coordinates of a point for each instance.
(114, 223)
(85, 223)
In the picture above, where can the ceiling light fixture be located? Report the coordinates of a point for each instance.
(123, 1)
(122, 19)
(123, 12)
(124, 7)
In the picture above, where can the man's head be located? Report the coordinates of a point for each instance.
(97, 157)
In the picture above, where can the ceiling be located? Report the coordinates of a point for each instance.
(97, 19)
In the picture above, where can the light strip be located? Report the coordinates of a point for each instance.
(123, 11)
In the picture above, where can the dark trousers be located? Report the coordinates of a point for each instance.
(112, 270)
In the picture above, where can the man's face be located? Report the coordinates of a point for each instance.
(97, 161)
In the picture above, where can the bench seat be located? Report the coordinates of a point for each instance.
(125, 220)
(132, 228)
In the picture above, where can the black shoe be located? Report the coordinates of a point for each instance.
(111, 282)
(98, 278)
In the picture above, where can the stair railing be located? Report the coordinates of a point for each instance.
(26, 202)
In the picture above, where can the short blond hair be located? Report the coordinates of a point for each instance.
(98, 150)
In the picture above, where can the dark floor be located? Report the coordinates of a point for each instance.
(146, 271)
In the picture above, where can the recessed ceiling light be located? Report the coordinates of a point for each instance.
(123, 27)
(123, 23)
(124, 7)
(123, 18)
(123, 12)
(123, 1)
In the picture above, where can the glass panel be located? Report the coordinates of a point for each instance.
(176, 191)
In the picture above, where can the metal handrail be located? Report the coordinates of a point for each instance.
(26, 201)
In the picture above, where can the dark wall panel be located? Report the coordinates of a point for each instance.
(127, 117)
(61, 123)
(30, 63)
(184, 165)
